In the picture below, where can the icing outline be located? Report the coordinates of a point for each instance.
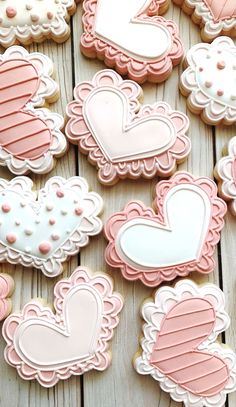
(6, 290)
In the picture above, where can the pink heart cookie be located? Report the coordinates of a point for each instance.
(215, 17)
(6, 290)
(26, 21)
(44, 232)
(131, 37)
(72, 341)
(30, 138)
(179, 348)
(179, 239)
(123, 139)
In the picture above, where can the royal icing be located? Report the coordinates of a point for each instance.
(29, 138)
(180, 238)
(6, 289)
(130, 36)
(72, 341)
(214, 16)
(225, 172)
(179, 347)
(42, 233)
(121, 138)
(25, 21)
(210, 81)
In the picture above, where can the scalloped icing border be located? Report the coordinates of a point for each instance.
(153, 277)
(112, 304)
(163, 301)
(110, 172)
(137, 70)
(57, 30)
(6, 290)
(52, 266)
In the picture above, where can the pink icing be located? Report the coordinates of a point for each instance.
(45, 247)
(60, 193)
(6, 208)
(221, 10)
(11, 238)
(78, 211)
(6, 286)
(11, 12)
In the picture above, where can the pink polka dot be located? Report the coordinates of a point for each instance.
(60, 193)
(6, 208)
(221, 65)
(50, 15)
(52, 221)
(11, 238)
(220, 92)
(200, 69)
(11, 12)
(55, 236)
(78, 211)
(45, 247)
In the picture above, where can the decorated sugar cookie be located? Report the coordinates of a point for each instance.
(179, 347)
(122, 138)
(30, 137)
(50, 347)
(225, 172)
(131, 37)
(43, 231)
(6, 289)
(25, 21)
(178, 237)
(215, 17)
(210, 81)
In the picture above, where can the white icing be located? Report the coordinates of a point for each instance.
(60, 346)
(145, 243)
(116, 22)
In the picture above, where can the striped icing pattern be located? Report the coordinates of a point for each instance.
(175, 353)
(222, 9)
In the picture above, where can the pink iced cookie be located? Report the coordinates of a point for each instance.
(131, 37)
(6, 289)
(225, 172)
(215, 17)
(209, 81)
(30, 137)
(25, 21)
(50, 347)
(122, 138)
(179, 239)
(179, 347)
(43, 230)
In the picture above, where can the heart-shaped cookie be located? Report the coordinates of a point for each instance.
(215, 17)
(27, 21)
(6, 289)
(131, 37)
(42, 233)
(179, 239)
(120, 138)
(210, 81)
(179, 348)
(29, 138)
(72, 341)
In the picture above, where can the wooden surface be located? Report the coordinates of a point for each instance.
(120, 385)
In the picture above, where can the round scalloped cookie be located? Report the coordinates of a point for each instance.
(209, 81)
(179, 347)
(132, 37)
(215, 17)
(27, 21)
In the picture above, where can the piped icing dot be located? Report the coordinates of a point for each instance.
(45, 247)
(60, 193)
(220, 92)
(28, 232)
(11, 12)
(221, 65)
(200, 69)
(64, 212)
(28, 249)
(28, 6)
(208, 84)
(55, 236)
(23, 204)
(17, 222)
(6, 208)
(52, 221)
(34, 18)
(11, 238)
(49, 15)
(37, 221)
(49, 207)
(233, 97)
(78, 211)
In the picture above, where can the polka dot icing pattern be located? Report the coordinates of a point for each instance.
(6, 289)
(210, 81)
(157, 247)
(34, 20)
(146, 141)
(132, 37)
(179, 348)
(29, 138)
(70, 344)
(45, 232)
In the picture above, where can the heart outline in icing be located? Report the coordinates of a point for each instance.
(136, 211)
(6, 290)
(138, 69)
(69, 195)
(34, 314)
(155, 314)
(83, 129)
(27, 115)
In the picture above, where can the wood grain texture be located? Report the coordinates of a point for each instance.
(120, 385)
